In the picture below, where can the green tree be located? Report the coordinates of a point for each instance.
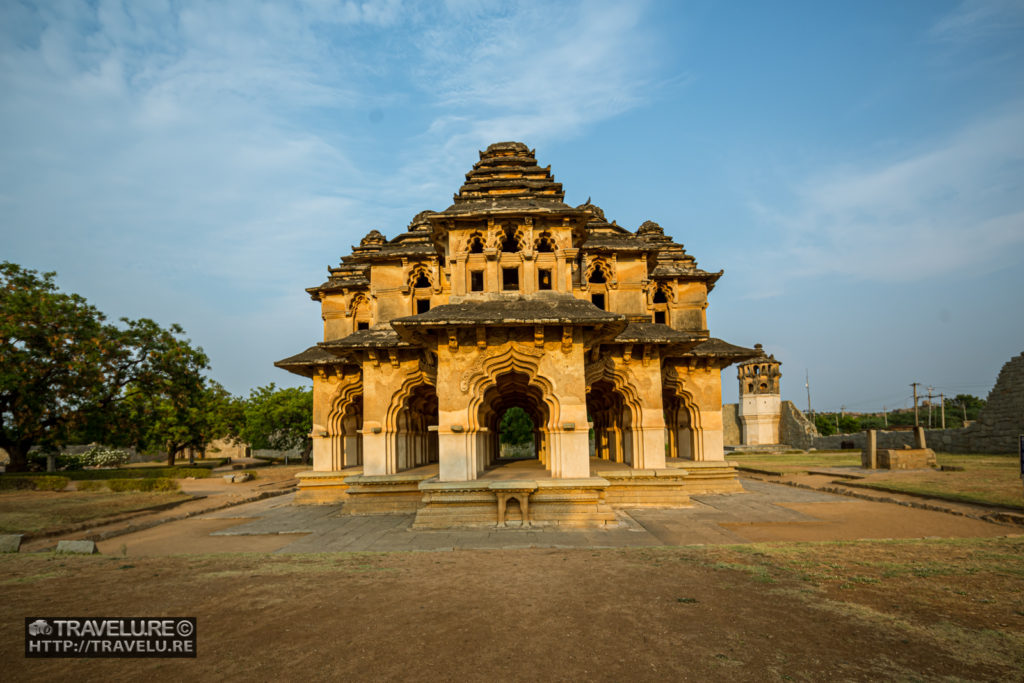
(279, 419)
(516, 427)
(65, 371)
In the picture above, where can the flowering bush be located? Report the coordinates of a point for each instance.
(104, 457)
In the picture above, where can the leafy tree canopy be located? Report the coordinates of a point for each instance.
(279, 419)
(64, 370)
(516, 427)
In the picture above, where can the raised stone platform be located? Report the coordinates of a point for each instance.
(520, 493)
(324, 488)
(544, 502)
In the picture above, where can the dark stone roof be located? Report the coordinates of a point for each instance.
(380, 336)
(308, 361)
(534, 310)
(507, 178)
(655, 333)
(762, 357)
(721, 349)
(612, 242)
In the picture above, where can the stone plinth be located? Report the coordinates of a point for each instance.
(661, 488)
(549, 502)
(382, 494)
(709, 476)
(905, 458)
(324, 488)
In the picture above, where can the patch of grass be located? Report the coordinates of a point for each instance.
(161, 484)
(35, 512)
(791, 462)
(985, 479)
(201, 472)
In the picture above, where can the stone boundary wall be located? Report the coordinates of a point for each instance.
(995, 431)
(794, 428)
(731, 433)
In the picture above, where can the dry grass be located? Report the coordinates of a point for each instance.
(37, 512)
(991, 479)
(796, 463)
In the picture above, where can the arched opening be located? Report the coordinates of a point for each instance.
(613, 423)
(597, 276)
(421, 280)
(680, 417)
(414, 443)
(545, 243)
(516, 435)
(509, 243)
(659, 297)
(476, 243)
(510, 399)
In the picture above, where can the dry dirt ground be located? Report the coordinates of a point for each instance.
(950, 609)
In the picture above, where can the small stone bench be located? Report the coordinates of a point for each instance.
(519, 491)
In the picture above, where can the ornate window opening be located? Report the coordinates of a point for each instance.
(510, 242)
(544, 279)
(510, 279)
(597, 275)
(659, 297)
(545, 243)
(476, 243)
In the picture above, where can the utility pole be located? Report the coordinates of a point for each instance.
(930, 389)
(914, 384)
(942, 399)
(964, 406)
(807, 383)
(885, 416)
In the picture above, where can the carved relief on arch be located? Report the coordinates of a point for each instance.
(346, 399)
(509, 238)
(600, 272)
(621, 378)
(420, 276)
(661, 293)
(475, 243)
(510, 356)
(359, 304)
(545, 243)
(421, 377)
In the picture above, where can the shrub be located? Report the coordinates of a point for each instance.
(17, 483)
(149, 484)
(105, 457)
(91, 485)
(34, 483)
(51, 483)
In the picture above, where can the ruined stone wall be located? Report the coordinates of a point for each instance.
(995, 430)
(731, 424)
(794, 428)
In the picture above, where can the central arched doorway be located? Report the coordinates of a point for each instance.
(512, 392)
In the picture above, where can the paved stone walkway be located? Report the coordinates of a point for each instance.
(323, 529)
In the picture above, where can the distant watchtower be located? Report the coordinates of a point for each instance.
(760, 400)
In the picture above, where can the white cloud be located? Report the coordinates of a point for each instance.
(975, 20)
(957, 207)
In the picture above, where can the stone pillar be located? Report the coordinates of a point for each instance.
(710, 435)
(869, 456)
(323, 452)
(919, 438)
(375, 453)
(456, 454)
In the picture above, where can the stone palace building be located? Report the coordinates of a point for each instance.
(512, 298)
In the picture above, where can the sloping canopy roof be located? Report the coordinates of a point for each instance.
(534, 310)
(380, 336)
(307, 362)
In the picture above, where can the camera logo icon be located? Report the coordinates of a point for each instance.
(39, 627)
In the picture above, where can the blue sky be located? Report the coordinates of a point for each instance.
(856, 168)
